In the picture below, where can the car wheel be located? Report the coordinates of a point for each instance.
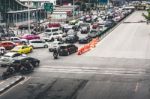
(36, 64)
(45, 46)
(31, 50)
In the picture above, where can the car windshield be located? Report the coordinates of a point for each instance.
(93, 32)
(83, 24)
(55, 34)
(47, 30)
(54, 30)
(17, 47)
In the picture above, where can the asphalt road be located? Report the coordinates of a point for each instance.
(118, 68)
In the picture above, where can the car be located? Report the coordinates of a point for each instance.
(66, 28)
(21, 59)
(49, 31)
(25, 27)
(95, 26)
(71, 39)
(84, 28)
(8, 45)
(84, 40)
(93, 33)
(21, 64)
(18, 40)
(67, 49)
(38, 43)
(54, 36)
(30, 37)
(6, 59)
(109, 23)
(55, 44)
(71, 32)
(50, 25)
(22, 49)
(73, 22)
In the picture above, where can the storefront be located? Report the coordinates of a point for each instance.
(12, 11)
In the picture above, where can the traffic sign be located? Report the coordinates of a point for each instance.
(48, 7)
(103, 1)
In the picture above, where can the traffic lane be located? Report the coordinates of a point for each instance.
(108, 89)
(47, 59)
(136, 17)
(45, 88)
(126, 41)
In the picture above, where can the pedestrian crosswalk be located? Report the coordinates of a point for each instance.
(92, 70)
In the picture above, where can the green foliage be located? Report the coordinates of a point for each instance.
(147, 17)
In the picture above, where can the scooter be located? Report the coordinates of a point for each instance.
(55, 55)
(9, 72)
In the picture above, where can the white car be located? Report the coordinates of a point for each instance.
(18, 40)
(8, 57)
(55, 44)
(38, 43)
(52, 30)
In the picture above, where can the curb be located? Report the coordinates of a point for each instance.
(12, 83)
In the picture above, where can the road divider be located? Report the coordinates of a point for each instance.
(88, 46)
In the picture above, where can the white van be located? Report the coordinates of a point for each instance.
(38, 43)
(52, 30)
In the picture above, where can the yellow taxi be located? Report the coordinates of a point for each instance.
(22, 49)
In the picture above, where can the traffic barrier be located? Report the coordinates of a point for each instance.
(88, 46)
(84, 49)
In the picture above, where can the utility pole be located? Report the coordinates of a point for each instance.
(29, 30)
(73, 9)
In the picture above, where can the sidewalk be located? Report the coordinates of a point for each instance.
(8, 83)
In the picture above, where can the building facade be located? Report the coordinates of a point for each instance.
(37, 3)
(13, 12)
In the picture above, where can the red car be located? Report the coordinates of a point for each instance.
(95, 26)
(53, 25)
(30, 36)
(8, 45)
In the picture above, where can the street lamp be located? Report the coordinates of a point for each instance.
(29, 30)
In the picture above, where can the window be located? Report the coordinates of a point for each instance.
(63, 47)
(55, 34)
(48, 30)
(54, 30)
(16, 39)
(37, 41)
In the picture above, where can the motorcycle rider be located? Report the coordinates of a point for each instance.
(55, 53)
(2, 50)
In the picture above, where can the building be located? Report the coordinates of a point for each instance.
(13, 12)
(37, 3)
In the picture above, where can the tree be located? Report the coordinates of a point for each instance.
(147, 17)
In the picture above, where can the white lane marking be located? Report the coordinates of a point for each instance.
(1, 82)
(136, 87)
(26, 79)
(91, 70)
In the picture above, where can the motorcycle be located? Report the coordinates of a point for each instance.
(55, 54)
(2, 51)
(9, 72)
(26, 69)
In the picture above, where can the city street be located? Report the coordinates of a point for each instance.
(117, 68)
